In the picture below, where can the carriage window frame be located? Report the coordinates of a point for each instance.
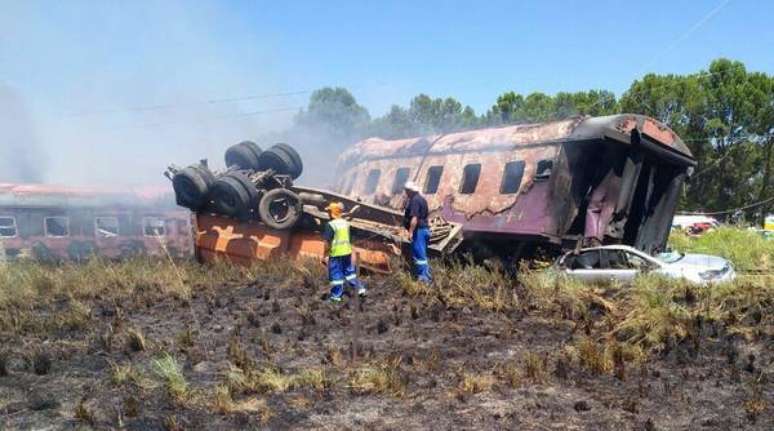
(66, 226)
(543, 169)
(433, 180)
(146, 224)
(97, 232)
(372, 181)
(509, 177)
(401, 177)
(471, 174)
(10, 226)
(350, 184)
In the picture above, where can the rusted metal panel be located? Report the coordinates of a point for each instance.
(220, 237)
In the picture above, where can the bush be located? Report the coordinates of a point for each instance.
(746, 249)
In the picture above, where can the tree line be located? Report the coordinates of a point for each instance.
(725, 115)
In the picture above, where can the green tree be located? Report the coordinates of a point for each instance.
(337, 112)
(724, 116)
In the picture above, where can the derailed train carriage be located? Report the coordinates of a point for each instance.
(59, 223)
(611, 179)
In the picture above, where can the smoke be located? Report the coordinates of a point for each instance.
(20, 158)
(110, 93)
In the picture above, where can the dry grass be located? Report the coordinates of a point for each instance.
(135, 340)
(463, 284)
(473, 383)
(272, 380)
(382, 378)
(122, 374)
(661, 311)
(535, 367)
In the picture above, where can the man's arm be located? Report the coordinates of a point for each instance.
(413, 226)
(327, 239)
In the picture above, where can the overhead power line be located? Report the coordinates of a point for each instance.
(168, 106)
(731, 210)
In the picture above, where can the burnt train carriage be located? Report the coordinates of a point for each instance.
(612, 179)
(54, 223)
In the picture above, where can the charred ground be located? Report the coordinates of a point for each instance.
(145, 345)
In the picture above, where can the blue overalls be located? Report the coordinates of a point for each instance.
(419, 253)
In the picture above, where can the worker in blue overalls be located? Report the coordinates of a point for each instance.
(415, 221)
(338, 250)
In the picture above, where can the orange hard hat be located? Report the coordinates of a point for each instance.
(335, 209)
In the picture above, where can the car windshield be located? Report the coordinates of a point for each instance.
(670, 256)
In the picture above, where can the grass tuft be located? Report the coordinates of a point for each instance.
(169, 371)
(384, 378)
(136, 340)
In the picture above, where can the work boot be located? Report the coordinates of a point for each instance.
(362, 291)
(335, 299)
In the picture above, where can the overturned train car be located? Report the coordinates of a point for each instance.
(56, 223)
(611, 179)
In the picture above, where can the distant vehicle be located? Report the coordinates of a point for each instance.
(56, 223)
(694, 224)
(623, 263)
(596, 180)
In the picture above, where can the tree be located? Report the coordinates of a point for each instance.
(724, 116)
(336, 111)
(425, 116)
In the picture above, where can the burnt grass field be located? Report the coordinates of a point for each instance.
(147, 345)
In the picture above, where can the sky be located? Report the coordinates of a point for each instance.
(112, 91)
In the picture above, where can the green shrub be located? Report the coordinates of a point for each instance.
(746, 249)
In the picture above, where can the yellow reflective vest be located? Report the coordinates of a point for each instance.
(340, 245)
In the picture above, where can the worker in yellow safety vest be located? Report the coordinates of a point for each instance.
(338, 250)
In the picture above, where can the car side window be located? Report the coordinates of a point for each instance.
(637, 262)
(616, 259)
(585, 260)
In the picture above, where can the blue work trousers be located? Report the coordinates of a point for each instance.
(341, 271)
(419, 253)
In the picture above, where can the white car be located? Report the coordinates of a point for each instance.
(623, 263)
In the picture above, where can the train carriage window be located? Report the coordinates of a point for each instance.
(433, 179)
(57, 226)
(106, 227)
(372, 181)
(543, 170)
(7, 226)
(401, 176)
(351, 183)
(514, 171)
(153, 226)
(470, 175)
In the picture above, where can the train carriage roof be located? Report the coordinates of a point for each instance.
(623, 128)
(48, 196)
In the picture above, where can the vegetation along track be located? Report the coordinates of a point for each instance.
(143, 345)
